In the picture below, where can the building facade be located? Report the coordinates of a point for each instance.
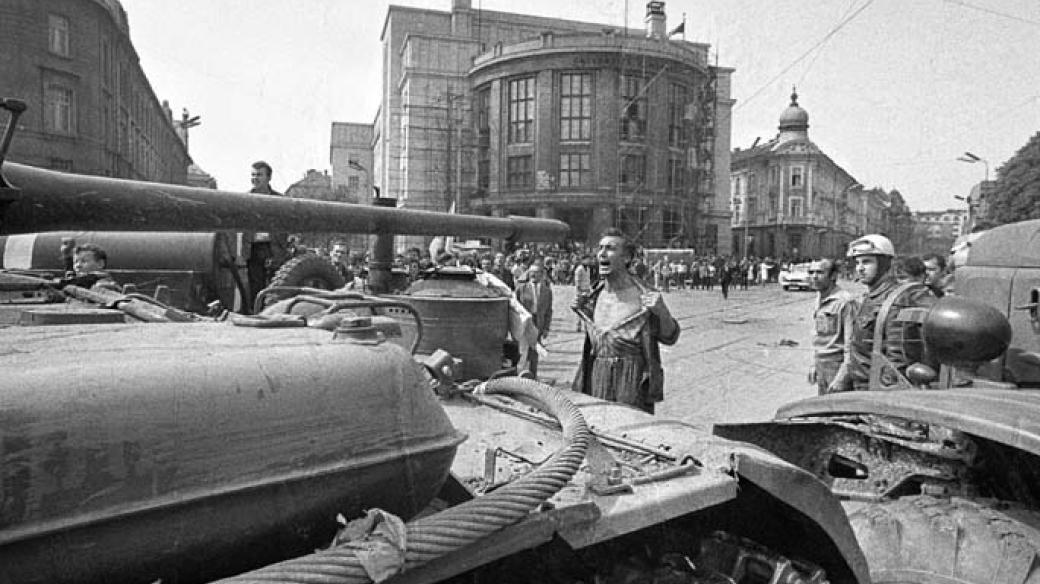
(936, 231)
(790, 200)
(500, 113)
(350, 156)
(91, 107)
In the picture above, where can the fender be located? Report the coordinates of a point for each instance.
(1007, 416)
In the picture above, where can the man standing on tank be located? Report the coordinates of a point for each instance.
(832, 323)
(902, 345)
(624, 323)
(263, 247)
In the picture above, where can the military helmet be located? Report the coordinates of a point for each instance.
(872, 244)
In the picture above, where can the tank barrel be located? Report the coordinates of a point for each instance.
(44, 200)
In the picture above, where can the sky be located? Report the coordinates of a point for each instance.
(896, 90)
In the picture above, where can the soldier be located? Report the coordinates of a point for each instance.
(878, 357)
(832, 319)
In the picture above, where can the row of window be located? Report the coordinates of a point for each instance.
(576, 109)
(575, 171)
(796, 179)
(795, 206)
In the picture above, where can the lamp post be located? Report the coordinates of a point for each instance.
(972, 159)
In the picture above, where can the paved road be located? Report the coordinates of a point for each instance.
(719, 370)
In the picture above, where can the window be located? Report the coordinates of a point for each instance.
(107, 69)
(796, 177)
(633, 170)
(633, 111)
(521, 110)
(354, 183)
(484, 173)
(62, 164)
(518, 171)
(752, 207)
(795, 242)
(575, 106)
(676, 176)
(632, 221)
(796, 207)
(483, 107)
(671, 224)
(57, 109)
(676, 111)
(774, 176)
(574, 170)
(58, 37)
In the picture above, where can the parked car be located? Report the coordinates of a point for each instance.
(795, 277)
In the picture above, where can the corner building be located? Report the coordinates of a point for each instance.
(791, 200)
(91, 107)
(500, 114)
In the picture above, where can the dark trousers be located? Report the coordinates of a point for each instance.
(256, 270)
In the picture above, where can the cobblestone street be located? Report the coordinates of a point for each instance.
(729, 363)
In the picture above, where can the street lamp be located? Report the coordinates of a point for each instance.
(972, 159)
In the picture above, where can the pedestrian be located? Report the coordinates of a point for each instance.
(624, 323)
(832, 323)
(500, 269)
(936, 277)
(725, 277)
(910, 269)
(339, 255)
(536, 296)
(265, 249)
(666, 274)
(882, 346)
(582, 283)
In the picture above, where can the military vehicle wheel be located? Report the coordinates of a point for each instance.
(310, 271)
(925, 540)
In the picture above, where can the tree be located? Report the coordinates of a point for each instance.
(1016, 196)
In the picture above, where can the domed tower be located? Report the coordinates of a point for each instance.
(794, 122)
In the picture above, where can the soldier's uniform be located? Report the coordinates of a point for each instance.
(832, 327)
(866, 366)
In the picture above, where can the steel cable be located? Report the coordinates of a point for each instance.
(456, 527)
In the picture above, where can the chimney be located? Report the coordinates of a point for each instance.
(655, 20)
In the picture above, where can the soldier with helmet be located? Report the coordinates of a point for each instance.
(882, 345)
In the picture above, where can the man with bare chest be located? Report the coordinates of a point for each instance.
(624, 323)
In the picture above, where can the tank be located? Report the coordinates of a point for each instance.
(180, 448)
(922, 469)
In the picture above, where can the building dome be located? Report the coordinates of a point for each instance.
(794, 117)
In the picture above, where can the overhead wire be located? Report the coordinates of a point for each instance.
(824, 44)
(842, 24)
(1007, 15)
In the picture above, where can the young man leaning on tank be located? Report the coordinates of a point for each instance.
(624, 323)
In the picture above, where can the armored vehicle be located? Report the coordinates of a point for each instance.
(189, 451)
(942, 485)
